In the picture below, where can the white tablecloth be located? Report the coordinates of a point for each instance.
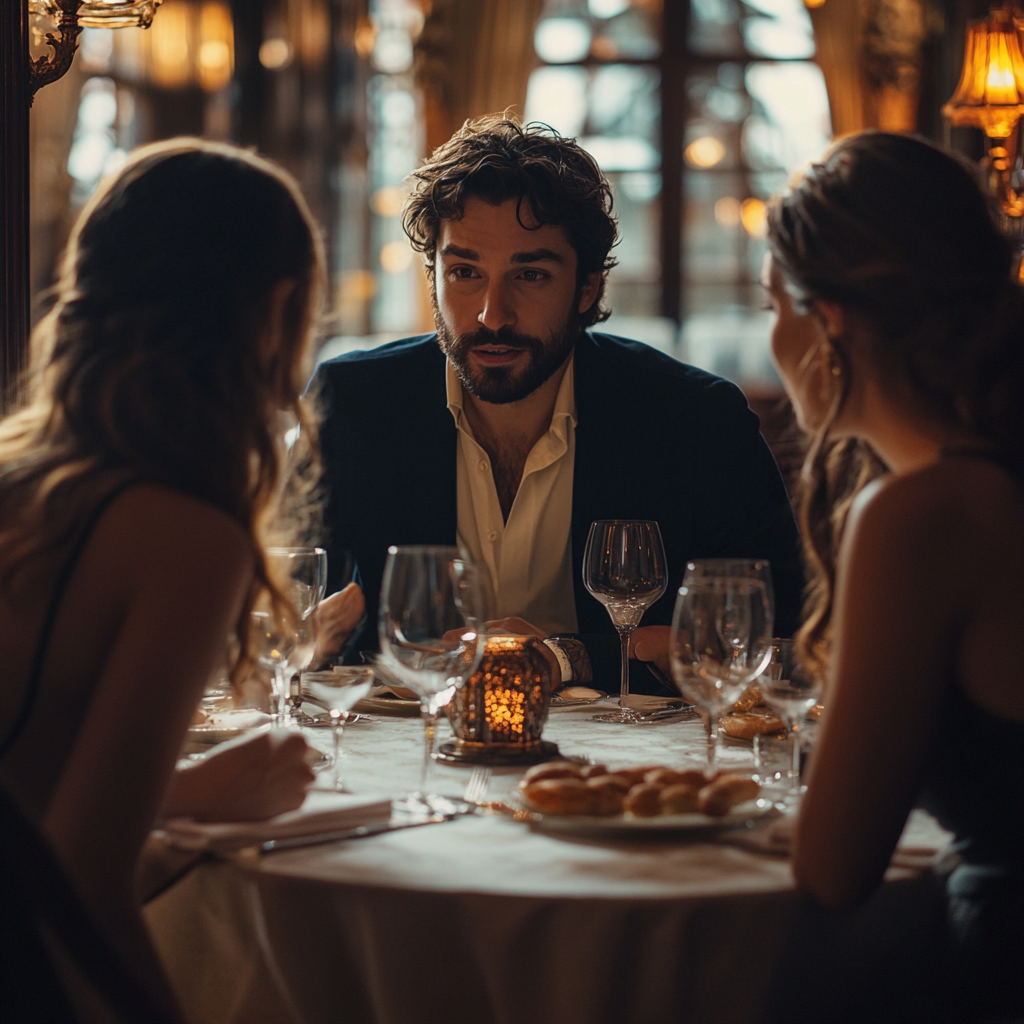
(483, 920)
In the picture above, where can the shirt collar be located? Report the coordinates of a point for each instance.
(565, 400)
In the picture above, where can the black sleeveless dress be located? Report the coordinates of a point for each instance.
(31, 694)
(975, 788)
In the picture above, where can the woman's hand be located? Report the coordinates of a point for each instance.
(336, 618)
(250, 781)
(650, 643)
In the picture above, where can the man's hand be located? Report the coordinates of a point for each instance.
(520, 627)
(336, 617)
(650, 643)
(249, 781)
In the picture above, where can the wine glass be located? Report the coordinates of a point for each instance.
(721, 642)
(306, 571)
(755, 568)
(339, 691)
(624, 568)
(274, 644)
(298, 661)
(429, 623)
(790, 693)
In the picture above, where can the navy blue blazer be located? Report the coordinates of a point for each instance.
(655, 439)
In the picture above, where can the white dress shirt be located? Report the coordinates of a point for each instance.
(528, 558)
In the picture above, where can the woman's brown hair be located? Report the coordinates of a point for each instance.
(153, 364)
(495, 158)
(902, 236)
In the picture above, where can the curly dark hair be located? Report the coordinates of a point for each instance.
(496, 158)
(902, 234)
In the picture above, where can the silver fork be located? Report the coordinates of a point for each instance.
(476, 788)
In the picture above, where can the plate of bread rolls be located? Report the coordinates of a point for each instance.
(649, 798)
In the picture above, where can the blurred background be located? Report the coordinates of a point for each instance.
(697, 111)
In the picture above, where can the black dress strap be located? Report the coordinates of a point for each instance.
(28, 700)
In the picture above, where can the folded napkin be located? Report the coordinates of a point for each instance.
(322, 811)
(922, 843)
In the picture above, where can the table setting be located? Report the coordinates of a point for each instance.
(422, 881)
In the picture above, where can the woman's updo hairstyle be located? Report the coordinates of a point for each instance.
(901, 234)
(155, 363)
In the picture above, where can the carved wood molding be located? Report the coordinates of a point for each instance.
(44, 70)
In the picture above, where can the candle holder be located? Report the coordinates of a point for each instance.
(499, 715)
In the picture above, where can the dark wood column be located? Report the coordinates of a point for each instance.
(674, 65)
(14, 195)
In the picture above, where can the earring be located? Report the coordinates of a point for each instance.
(835, 367)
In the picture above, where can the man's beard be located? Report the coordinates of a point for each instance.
(500, 385)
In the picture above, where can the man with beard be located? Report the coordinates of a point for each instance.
(513, 427)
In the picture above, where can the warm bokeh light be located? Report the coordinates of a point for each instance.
(727, 211)
(754, 217)
(812, 4)
(395, 257)
(216, 51)
(365, 37)
(169, 39)
(275, 53)
(387, 202)
(707, 151)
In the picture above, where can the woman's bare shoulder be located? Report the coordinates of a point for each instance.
(150, 512)
(957, 500)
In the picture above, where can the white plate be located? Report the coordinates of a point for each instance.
(389, 706)
(583, 825)
(559, 701)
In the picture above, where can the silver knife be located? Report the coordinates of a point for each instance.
(275, 845)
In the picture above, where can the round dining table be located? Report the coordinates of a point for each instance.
(487, 920)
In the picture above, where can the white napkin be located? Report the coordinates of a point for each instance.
(922, 843)
(322, 811)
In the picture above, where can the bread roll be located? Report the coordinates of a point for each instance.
(692, 777)
(592, 771)
(611, 793)
(727, 791)
(643, 801)
(679, 799)
(664, 777)
(552, 770)
(562, 796)
(636, 775)
(746, 726)
(750, 698)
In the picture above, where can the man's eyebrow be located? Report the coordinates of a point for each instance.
(537, 256)
(457, 250)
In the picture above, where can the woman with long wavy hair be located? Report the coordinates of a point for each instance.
(139, 485)
(900, 339)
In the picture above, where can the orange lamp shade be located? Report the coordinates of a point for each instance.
(990, 94)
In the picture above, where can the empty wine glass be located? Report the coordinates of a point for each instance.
(430, 615)
(298, 661)
(790, 693)
(305, 569)
(274, 644)
(624, 568)
(732, 568)
(339, 691)
(721, 642)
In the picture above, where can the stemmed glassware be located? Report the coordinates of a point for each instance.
(305, 570)
(274, 645)
(339, 691)
(755, 568)
(429, 625)
(790, 693)
(624, 568)
(721, 641)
